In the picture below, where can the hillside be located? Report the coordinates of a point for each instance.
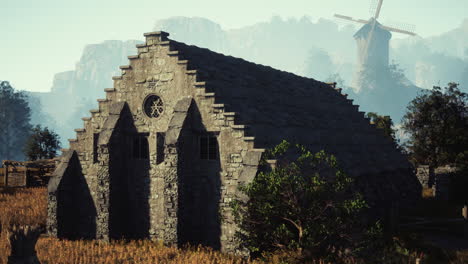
(316, 49)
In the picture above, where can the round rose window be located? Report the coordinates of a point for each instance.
(154, 106)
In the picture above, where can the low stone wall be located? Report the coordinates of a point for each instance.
(441, 182)
(422, 172)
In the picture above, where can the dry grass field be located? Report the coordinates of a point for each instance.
(23, 206)
(27, 206)
(427, 193)
(119, 252)
(20, 206)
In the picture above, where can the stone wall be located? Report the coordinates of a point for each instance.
(440, 185)
(71, 210)
(165, 190)
(422, 173)
(158, 70)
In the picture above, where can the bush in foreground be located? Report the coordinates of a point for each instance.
(306, 204)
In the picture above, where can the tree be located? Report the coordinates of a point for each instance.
(305, 202)
(437, 121)
(380, 76)
(14, 122)
(38, 115)
(384, 123)
(384, 89)
(42, 144)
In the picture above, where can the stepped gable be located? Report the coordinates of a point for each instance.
(168, 169)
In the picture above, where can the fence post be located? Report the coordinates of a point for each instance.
(25, 181)
(465, 216)
(6, 175)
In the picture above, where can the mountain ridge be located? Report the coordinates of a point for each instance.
(319, 50)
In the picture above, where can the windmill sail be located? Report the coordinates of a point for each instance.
(352, 19)
(403, 28)
(375, 8)
(373, 39)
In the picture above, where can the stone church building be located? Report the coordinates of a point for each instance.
(183, 126)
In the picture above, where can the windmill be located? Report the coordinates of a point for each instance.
(373, 38)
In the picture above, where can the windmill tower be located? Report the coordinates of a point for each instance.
(373, 39)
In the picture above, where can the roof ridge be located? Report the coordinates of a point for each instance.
(242, 60)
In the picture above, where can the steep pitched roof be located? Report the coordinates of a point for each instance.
(279, 105)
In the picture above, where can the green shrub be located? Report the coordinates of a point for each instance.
(306, 204)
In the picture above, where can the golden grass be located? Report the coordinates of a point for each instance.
(427, 193)
(53, 250)
(28, 206)
(20, 206)
(23, 206)
(144, 252)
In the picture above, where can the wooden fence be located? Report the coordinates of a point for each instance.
(2, 176)
(26, 173)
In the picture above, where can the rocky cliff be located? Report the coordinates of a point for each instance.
(282, 44)
(72, 91)
(435, 60)
(95, 69)
(315, 49)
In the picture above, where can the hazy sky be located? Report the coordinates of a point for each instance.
(39, 38)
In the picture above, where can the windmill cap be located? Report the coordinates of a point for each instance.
(364, 31)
